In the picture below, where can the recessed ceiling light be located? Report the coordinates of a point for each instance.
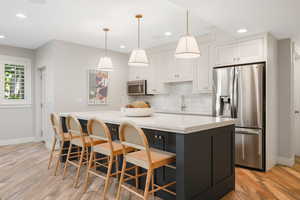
(2, 36)
(242, 30)
(168, 33)
(21, 16)
(122, 46)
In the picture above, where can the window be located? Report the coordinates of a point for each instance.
(15, 81)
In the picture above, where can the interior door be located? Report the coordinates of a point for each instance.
(44, 121)
(297, 105)
(248, 102)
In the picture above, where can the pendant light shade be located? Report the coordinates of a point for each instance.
(105, 63)
(138, 56)
(187, 45)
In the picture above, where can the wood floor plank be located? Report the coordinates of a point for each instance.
(24, 176)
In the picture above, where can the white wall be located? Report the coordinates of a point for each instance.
(286, 102)
(17, 124)
(67, 65)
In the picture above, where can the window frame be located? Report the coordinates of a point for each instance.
(27, 81)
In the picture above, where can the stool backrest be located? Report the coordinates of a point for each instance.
(132, 136)
(56, 125)
(74, 128)
(98, 130)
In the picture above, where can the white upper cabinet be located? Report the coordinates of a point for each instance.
(226, 54)
(251, 51)
(157, 72)
(243, 51)
(138, 73)
(179, 70)
(202, 71)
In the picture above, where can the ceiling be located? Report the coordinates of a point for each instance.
(81, 21)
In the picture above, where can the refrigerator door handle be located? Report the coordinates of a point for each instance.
(232, 96)
(247, 131)
(235, 93)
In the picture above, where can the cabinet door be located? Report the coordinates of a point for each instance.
(202, 80)
(184, 69)
(157, 74)
(138, 73)
(172, 71)
(251, 51)
(226, 54)
(179, 70)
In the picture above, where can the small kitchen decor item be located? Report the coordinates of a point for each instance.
(137, 109)
(137, 112)
(97, 86)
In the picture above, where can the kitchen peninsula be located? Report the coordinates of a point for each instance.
(204, 148)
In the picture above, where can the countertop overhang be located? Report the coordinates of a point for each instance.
(183, 124)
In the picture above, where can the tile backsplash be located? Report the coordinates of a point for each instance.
(196, 103)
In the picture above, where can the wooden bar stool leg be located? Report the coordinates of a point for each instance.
(121, 179)
(108, 175)
(148, 180)
(68, 157)
(152, 184)
(58, 159)
(52, 151)
(136, 177)
(79, 167)
(87, 171)
(117, 166)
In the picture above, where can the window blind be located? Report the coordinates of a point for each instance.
(14, 81)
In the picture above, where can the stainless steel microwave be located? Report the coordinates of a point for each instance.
(137, 88)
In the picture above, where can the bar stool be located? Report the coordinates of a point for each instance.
(59, 136)
(111, 149)
(148, 158)
(81, 141)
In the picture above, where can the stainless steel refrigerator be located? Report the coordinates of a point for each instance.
(240, 93)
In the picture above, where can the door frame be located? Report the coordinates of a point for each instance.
(47, 132)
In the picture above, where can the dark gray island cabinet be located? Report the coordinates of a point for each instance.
(204, 148)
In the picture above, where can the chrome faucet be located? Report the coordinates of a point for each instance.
(183, 105)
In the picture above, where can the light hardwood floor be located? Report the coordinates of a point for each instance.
(24, 176)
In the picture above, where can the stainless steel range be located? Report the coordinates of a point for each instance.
(240, 94)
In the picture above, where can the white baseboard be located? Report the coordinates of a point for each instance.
(286, 161)
(17, 141)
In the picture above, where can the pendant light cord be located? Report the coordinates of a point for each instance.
(105, 43)
(139, 33)
(187, 22)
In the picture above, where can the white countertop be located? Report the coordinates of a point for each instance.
(159, 121)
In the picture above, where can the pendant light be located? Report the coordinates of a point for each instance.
(187, 45)
(105, 63)
(138, 56)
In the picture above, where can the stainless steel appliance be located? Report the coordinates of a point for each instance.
(239, 93)
(137, 88)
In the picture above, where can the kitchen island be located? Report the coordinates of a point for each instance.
(204, 148)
